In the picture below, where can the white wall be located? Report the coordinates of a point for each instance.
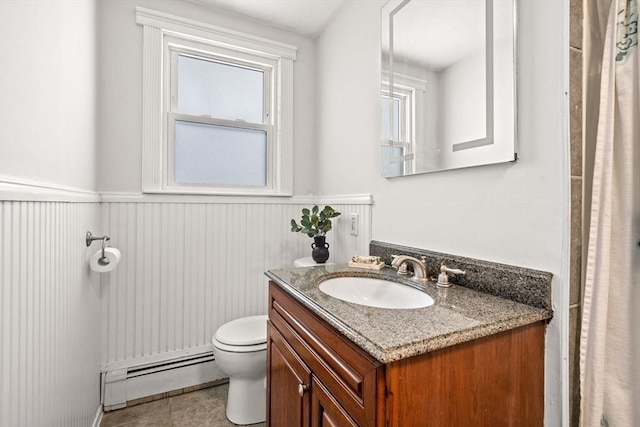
(469, 122)
(462, 101)
(49, 300)
(514, 213)
(47, 92)
(120, 103)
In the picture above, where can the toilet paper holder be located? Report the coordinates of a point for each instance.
(89, 239)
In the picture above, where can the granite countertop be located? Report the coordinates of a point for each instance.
(458, 315)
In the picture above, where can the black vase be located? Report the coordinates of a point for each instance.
(320, 252)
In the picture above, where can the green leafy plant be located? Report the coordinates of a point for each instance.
(315, 222)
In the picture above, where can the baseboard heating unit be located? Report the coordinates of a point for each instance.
(135, 382)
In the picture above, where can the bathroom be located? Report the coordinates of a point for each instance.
(193, 262)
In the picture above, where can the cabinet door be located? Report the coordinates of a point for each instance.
(288, 382)
(325, 410)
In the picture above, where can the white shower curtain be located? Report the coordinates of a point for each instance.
(610, 332)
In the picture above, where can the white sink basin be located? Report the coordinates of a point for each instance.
(375, 292)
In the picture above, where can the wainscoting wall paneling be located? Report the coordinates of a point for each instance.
(189, 266)
(49, 314)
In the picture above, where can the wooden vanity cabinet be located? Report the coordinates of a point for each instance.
(315, 372)
(288, 377)
(316, 377)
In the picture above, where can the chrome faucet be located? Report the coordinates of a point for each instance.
(419, 267)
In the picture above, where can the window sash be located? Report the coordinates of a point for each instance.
(216, 56)
(169, 155)
(406, 100)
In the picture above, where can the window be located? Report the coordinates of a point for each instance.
(399, 133)
(398, 137)
(219, 128)
(396, 144)
(217, 114)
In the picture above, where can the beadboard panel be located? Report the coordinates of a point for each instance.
(187, 268)
(49, 315)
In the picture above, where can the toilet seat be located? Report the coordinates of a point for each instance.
(239, 348)
(244, 335)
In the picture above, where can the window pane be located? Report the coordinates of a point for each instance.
(392, 167)
(390, 118)
(219, 90)
(209, 154)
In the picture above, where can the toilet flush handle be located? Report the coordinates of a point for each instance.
(302, 388)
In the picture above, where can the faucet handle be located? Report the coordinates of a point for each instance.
(443, 278)
(402, 268)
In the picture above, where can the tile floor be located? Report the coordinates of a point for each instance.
(199, 408)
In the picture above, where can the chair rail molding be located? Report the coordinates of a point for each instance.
(22, 190)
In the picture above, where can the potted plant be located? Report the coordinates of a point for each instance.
(316, 223)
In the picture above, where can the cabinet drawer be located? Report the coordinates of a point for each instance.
(348, 372)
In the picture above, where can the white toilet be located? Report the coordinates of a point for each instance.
(240, 351)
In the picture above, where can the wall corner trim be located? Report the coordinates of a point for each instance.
(98, 418)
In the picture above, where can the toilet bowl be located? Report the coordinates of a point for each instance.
(240, 351)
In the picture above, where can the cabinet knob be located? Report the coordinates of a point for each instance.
(302, 389)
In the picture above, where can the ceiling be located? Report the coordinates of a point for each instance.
(431, 33)
(444, 33)
(307, 17)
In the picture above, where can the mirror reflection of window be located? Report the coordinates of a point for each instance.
(463, 53)
(449, 46)
(392, 149)
(390, 128)
(400, 128)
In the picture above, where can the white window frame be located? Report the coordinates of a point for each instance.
(404, 123)
(405, 89)
(165, 36)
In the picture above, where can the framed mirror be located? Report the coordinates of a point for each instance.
(448, 92)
